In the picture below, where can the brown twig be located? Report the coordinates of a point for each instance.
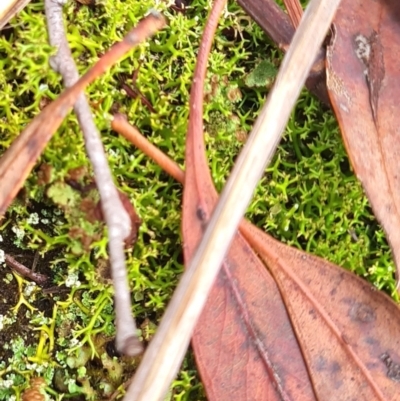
(133, 91)
(295, 11)
(24, 271)
(114, 213)
(121, 125)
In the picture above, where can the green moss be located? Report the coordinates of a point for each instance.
(308, 197)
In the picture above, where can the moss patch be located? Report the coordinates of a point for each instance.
(308, 197)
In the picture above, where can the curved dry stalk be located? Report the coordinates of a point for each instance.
(115, 215)
(165, 353)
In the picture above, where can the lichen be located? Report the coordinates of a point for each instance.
(262, 76)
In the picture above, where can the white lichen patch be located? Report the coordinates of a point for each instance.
(29, 289)
(72, 280)
(6, 383)
(33, 219)
(6, 320)
(363, 50)
(74, 342)
(20, 234)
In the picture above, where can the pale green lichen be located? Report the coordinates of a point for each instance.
(262, 76)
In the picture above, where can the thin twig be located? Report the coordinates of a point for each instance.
(24, 271)
(134, 92)
(121, 125)
(118, 391)
(167, 348)
(114, 213)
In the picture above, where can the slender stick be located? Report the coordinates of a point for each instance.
(115, 216)
(131, 133)
(165, 352)
(24, 271)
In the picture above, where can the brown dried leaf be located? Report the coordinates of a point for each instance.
(364, 87)
(348, 331)
(244, 343)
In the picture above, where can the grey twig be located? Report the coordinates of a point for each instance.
(115, 216)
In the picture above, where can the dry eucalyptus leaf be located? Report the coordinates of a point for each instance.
(364, 86)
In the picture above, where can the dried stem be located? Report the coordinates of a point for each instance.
(295, 11)
(24, 271)
(115, 216)
(167, 348)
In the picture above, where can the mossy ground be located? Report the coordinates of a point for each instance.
(308, 197)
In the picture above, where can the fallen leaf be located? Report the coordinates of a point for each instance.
(364, 87)
(244, 343)
(348, 330)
